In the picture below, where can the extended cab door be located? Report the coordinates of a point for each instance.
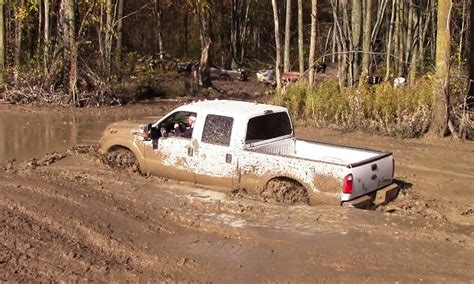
(215, 162)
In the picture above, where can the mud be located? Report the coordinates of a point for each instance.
(285, 191)
(68, 216)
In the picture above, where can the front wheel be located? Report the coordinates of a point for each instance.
(123, 158)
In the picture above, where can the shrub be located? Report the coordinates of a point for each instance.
(404, 111)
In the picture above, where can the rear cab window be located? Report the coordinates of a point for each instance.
(268, 126)
(217, 130)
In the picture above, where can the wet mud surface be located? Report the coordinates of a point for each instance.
(73, 216)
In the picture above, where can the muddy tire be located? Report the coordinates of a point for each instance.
(285, 191)
(122, 158)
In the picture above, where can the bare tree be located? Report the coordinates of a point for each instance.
(118, 48)
(159, 29)
(471, 61)
(312, 45)
(389, 42)
(109, 19)
(356, 23)
(19, 18)
(239, 23)
(366, 40)
(286, 57)
(47, 38)
(67, 11)
(300, 37)
(277, 44)
(203, 14)
(443, 53)
(2, 41)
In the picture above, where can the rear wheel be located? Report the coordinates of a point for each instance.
(286, 191)
(123, 158)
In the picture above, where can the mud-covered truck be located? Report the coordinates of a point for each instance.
(251, 147)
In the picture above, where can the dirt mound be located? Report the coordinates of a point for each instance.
(413, 204)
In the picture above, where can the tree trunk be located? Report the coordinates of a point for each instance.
(18, 37)
(159, 29)
(203, 12)
(69, 31)
(389, 43)
(108, 37)
(118, 48)
(443, 53)
(366, 42)
(47, 40)
(243, 31)
(235, 27)
(312, 45)
(277, 45)
(300, 37)
(356, 21)
(286, 57)
(2, 41)
(39, 39)
(470, 99)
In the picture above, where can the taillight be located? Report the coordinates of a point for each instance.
(347, 188)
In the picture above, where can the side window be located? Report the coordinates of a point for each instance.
(217, 130)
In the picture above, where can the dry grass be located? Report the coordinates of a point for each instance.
(403, 112)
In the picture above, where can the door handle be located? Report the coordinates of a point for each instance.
(190, 151)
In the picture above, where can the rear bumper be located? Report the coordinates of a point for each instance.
(376, 198)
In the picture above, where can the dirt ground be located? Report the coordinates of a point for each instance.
(70, 217)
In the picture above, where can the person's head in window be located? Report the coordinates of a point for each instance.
(191, 118)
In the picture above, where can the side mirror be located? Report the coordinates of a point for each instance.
(146, 132)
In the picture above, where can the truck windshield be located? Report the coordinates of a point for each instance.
(267, 127)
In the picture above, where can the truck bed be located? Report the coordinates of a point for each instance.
(370, 169)
(316, 151)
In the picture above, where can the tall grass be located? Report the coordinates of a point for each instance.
(403, 111)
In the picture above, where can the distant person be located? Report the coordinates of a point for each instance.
(188, 132)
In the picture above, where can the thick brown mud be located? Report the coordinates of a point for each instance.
(71, 217)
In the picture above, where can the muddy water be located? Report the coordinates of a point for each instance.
(28, 134)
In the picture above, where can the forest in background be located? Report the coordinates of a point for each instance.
(79, 48)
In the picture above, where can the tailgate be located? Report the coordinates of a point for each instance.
(370, 175)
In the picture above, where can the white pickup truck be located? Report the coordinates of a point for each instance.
(251, 147)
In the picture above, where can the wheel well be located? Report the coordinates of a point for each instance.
(285, 190)
(288, 179)
(118, 147)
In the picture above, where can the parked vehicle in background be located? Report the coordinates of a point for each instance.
(251, 147)
(267, 76)
(218, 73)
(291, 76)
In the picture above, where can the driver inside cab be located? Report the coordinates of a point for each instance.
(188, 131)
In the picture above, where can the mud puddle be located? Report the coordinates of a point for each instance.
(31, 133)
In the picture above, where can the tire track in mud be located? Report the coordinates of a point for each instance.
(100, 239)
(115, 237)
(110, 225)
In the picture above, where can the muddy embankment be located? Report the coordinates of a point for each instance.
(72, 217)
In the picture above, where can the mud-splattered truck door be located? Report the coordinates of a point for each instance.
(215, 158)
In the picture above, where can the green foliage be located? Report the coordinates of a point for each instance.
(403, 112)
